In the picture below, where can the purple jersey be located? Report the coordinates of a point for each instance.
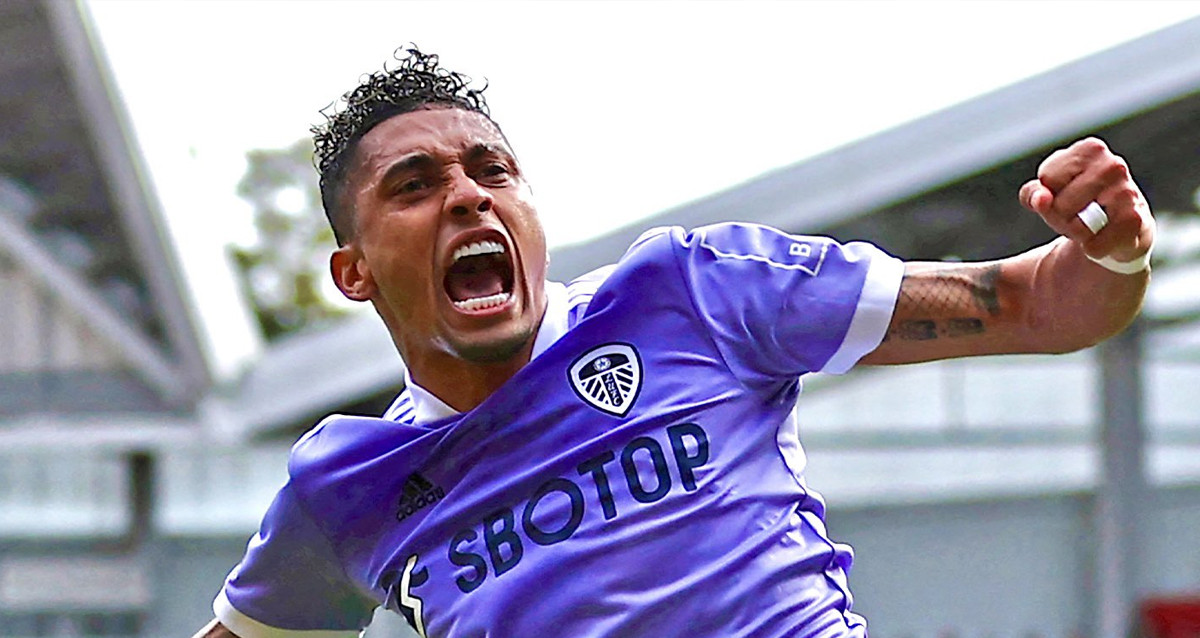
(641, 476)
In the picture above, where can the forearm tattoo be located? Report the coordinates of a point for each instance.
(945, 302)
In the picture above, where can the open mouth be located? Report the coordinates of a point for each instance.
(480, 276)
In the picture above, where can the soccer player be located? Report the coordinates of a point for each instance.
(616, 456)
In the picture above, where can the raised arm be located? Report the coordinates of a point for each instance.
(1050, 299)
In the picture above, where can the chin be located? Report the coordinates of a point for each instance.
(499, 349)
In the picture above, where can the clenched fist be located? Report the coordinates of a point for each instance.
(1085, 172)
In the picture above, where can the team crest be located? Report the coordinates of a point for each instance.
(608, 377)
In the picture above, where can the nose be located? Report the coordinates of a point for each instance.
(467, 196)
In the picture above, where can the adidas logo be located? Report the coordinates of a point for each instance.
(418, 492)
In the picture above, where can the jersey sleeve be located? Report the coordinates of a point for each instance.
(290, 583)
(780, 305)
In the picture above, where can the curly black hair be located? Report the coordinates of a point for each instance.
(416, 83)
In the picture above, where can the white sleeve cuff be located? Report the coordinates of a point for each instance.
(247, 627)
(876, 304)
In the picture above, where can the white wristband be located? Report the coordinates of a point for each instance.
(1096, 219)
(1125, 267)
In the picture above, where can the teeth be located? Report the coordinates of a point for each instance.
(479, 303)
(478, 248)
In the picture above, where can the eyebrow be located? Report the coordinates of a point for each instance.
(487, 148)
(420, 161)
(407, 164)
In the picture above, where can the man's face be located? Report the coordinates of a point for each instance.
(447, 242)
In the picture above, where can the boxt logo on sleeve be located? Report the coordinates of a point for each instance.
(608, 377)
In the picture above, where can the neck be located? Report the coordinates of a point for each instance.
(462, 384)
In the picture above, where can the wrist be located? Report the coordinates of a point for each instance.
(1131, 267)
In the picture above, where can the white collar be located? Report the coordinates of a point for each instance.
(427, 407)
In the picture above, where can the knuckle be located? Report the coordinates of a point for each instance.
(1115, 168)
(1127, 194)
(1049, 165)
(1109, 174)
(1092, 146)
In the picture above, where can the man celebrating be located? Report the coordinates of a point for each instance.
(616, 456)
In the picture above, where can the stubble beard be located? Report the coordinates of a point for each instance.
(500, 350)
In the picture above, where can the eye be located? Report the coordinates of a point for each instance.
(494, 172)
(411, 186)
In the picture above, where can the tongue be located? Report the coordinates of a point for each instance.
(471, 285)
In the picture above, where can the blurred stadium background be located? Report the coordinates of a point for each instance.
(1020, 497)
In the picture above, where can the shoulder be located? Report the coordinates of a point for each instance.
(580, 291)
(691, 252)
(737, 247)
(665, 257)
(763, 244)
(655, 243)
(650, 249)
(725, 240)
(340, 441)
(652, 252)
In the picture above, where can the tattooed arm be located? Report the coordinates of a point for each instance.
(1050, 299)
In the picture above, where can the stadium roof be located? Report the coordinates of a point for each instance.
(76, 215)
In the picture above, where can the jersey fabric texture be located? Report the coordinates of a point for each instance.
(641, 476)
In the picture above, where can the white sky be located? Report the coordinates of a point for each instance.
(618, 110)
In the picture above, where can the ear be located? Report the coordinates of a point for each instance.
(351, 274)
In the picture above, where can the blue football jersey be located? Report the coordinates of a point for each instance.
(641, 476)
